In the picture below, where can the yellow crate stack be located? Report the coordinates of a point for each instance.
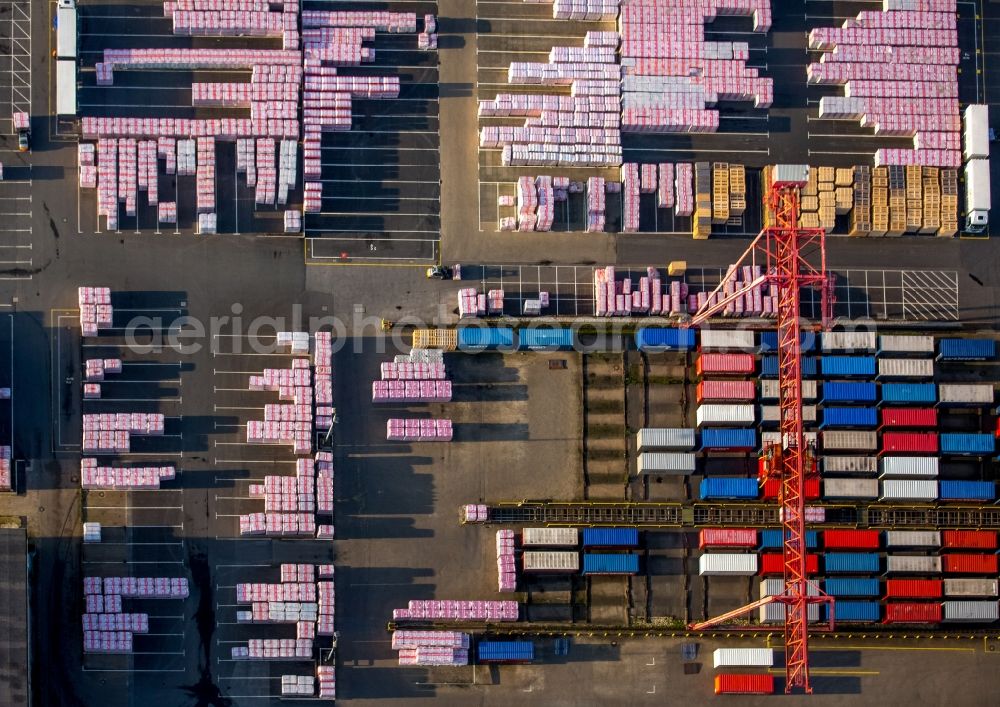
(843, 177)
(737, 189)
(949, 203)
(701, 227)
(861, 212)
(914, 198)
(444, 339)
(880, 201)
(931, 202)
(720, 192)
(827, 197)
(897, 200)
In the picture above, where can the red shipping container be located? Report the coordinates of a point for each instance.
(810, 489)
(919, 442)
(913, 588)
(727, 537)
(970, 564)
(973, 539)
(909, 417)
(912, 613)
(730, 684)
(726, 390)
(851, 539)
(725, 363)
(774, 563)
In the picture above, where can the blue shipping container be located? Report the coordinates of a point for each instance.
(728, 487)
(505, 651)
(610, 537)
(961, 443)
(849, 417)
(769, 367)
(968, 491)
(545, 339)
(660, 338)
(771, 539)
(852, 587)
(909, 393)
(867, 611)
(769, 341)
(481, 338)
(848, 366)
(848, 392)
(728, 438)
(594, 563)
(967, 349)
(854, 562)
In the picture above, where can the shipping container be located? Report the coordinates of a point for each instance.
(905, 368)
(771, 414)
(610, 537)
(913, 538)
(850, 488)
(727, 563)
(721, 364)
(663, 339)
(967, 349)
(714, 390)
(857, 611)
(848, 392)
(910, 417)
(913, 588)
(908, 612)
(666, 463)
(774, 563)
(847, 366)
(971, 587)
(550, 537)
(850, 465)
(910, 442)
(848, 341)
(856, 417)
(852, 587)
(727, 537)
(594, 563)
(732, 684)
(970, 539)
(673, 438)
(545, 339)
(970, 611)
(966, 394)
(505, 651)
(968, 491)
(909, 393)
(552, 561)
(727, 487)
(474, 338)
(743, 658)
(976, 132)
(908, 467)
(851, 563)
(769, 342)
(770, 539)
(912, 564)
(849, 440)
(728, 439)
(769, 390)
(726, 340)
(969, 564)
(904, 344)
(775, 612)
(834, 539)
(769, 367)
(908, 490)
(964, 443)
(810, 488)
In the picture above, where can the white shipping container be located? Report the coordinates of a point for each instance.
(726, 340)
(909, 490)
(913, 538)
(903, 344)
(552, 561)
(908, 467)
(850, 488)
(722, 414)
(550, 537)
(979, 394)
(772, 413)
(775, 612)
(743, 657)
(912, 564)
(970, 587)
(836, 440)
(848, 340)
(769, 389)
(775, 585)
(727, 563)
(976, 132)
(906, 368)
(66, 87)
(850, 465)
(970, 611)
(679, 438)
(666, 463)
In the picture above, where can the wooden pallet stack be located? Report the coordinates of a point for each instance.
(949, 203)
(809, 201)
(827, 198)
(701, 225)
(843, 195)
(861, 213)
(897, 200)
(931, 202)
(720, 192)
(914, 198)
(737, 190)
(880, 201)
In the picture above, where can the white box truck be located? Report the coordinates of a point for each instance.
(976, 132)
(977, 195)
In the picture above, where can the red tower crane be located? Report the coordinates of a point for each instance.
(789, 254)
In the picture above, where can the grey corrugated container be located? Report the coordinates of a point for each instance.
(666, 463)
(970, 587)
(790, 173)
(550, 537)
(773, 586)
(725, 415)
(769, 389)
(908, 467)
(848, 341)
(771, 437)
(743, 658)
(551, 561)
(970, 394)
(912, 564)
(850, 488)
(970, 611)
(913, 538)
(775, 612)
(850, 465)
(673, 438)
(903, 344)
(846, 440)
(727, 563)
(772, 413)
(906, 368)
(726, 340)
(909, 490)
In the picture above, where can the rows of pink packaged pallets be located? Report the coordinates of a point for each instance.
(431, 647)
(473, 304)
(93, 476)
(111, 433)
(96, 311)
(458, 610)
(106, 628)
(292, 502)
(506, 565)
(417, 377)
